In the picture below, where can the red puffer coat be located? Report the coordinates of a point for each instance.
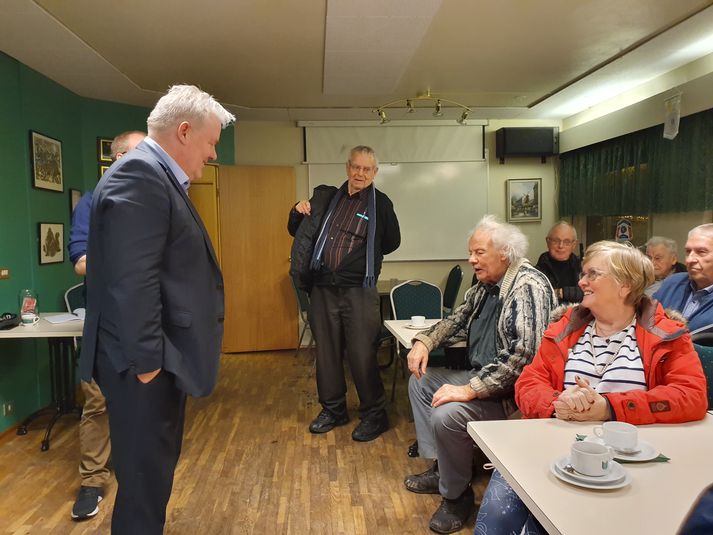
(677, 385)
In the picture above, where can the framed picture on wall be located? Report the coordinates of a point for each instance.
(104, 149)
(51, 239)
(102, 169)
(74, 196)
(46, 154)
(524, 199)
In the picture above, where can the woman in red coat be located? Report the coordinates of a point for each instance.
(616, 356)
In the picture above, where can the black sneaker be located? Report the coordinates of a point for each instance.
(425, 482)
(370, 428)
(326, 421)
(452, 515)
(87, 503)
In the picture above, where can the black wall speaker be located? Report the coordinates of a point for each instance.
(527, 142)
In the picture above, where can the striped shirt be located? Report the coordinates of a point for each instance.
(610, 364)
(347, 229)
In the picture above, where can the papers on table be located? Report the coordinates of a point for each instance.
(65, 318)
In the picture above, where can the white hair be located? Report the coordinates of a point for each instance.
(562, 223)
(706, 230)
(185, 103)
(670, 245)
(506, 238)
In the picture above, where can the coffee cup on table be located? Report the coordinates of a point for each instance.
(621, 436)
(29, 318)
(418, 321)
(590, 458)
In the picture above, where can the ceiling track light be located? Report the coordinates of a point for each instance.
(411, 103)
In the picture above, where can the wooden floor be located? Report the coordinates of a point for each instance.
(249, 465)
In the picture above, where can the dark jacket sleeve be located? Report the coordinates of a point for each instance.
(391, 239)
(572, 294)
(293, 221)
(79, 231)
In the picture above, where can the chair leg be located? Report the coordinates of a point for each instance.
(299, 343)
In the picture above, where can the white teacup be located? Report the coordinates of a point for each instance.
(418, 321)
(29, 318)
(590, 458)
(619, 435)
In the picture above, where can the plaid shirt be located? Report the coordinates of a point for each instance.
(348, 227)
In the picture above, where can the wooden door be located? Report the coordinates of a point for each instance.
(260, 305)
(204, 196)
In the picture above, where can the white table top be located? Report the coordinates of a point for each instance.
(45, 329)
(403, 334)
(657, 500)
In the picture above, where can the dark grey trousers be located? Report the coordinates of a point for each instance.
(347, 321)
(441, 431)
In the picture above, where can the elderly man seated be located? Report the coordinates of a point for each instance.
(692, 293)
(503, 319)
(663, 253)
(560, 264)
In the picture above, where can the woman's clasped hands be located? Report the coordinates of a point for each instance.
(581, 403)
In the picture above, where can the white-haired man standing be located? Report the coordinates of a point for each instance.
(154, 321)
(502, 319)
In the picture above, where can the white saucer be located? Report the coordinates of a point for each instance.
(646, 451)
(417, 327)
(623, 481)
(616, 473)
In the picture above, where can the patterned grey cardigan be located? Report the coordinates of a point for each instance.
(527, 301)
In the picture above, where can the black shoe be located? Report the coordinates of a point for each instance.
(87, 503)
(326, 421)
(425, 482)
(370, 427)
(452, 515)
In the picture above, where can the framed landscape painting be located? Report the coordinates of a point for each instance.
(46, 154)
(524, 199)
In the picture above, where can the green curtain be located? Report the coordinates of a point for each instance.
(642, 173)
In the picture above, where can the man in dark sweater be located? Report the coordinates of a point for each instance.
(348, 231)
(559, 263)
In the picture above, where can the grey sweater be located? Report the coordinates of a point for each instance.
(527, 301)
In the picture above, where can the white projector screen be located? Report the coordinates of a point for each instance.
(437, 203)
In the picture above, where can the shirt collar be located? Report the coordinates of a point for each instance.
(179, 173)
(707, 289)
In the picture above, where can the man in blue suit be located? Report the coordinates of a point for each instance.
(691, 293)
(154, 322)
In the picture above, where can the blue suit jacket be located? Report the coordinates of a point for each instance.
(154, 287)
(674, 292)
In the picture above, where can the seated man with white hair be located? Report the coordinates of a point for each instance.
(663, 253)
(502, 319)
(692, 293)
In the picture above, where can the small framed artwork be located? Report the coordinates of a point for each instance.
(102, 169)
(104, 149)
(524, 199)
(46, 154)
(74, 196)
(51, 238)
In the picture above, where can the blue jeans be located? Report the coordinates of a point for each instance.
(502, 512)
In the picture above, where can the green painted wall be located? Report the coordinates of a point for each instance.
(30, 101)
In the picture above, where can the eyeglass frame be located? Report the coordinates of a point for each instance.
(588, 274)
(359, 168)
(557, 242)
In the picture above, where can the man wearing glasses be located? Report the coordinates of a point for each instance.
(343, 234)
(560, 264)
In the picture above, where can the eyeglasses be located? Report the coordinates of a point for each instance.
(557, 242)
(592, 274)
(359, 168)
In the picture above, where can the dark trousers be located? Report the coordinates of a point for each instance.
(146, 427)
(347, 320)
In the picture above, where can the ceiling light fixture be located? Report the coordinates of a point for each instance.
(411, 103)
